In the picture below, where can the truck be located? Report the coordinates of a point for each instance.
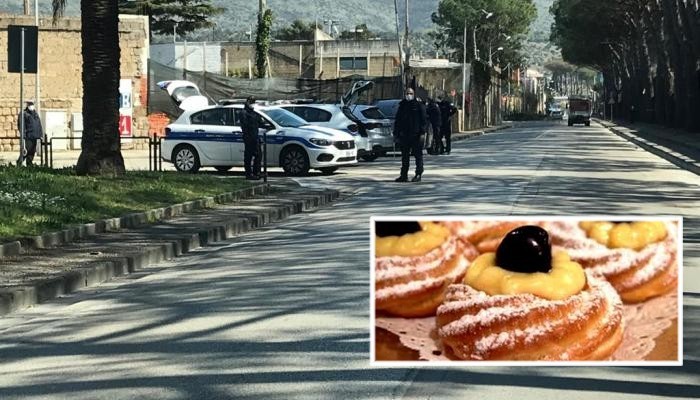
(579, 111)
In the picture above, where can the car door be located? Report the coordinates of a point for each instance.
(267, 130)
(213, 127)
(274, 139)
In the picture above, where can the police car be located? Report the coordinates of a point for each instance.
(212, 137)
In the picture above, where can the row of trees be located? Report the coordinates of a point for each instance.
(648, 52)
(568, 79)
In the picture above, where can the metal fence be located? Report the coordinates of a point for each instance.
(155, 155)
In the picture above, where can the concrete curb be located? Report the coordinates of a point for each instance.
(134, 220)
(16, 298)
(468, 135)
(674, 158)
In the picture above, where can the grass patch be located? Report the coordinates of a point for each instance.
(38, 200)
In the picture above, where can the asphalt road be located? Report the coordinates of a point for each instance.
(282, 313)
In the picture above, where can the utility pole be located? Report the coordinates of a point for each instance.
(408, 42)
(37, 99)
(464, 78)
(263, 7)
(398, 39)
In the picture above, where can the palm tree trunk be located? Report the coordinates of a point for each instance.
(101, 146)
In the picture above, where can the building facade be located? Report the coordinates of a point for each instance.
(61, 95)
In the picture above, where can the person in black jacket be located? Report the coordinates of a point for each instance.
(409, 128)
(447, 110)
(33, 131)
(433, 111)
(250, 125)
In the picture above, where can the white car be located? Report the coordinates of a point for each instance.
(212, 137)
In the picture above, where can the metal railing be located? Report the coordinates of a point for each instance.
(155, 155)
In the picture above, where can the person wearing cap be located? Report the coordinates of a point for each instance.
(250, 125)
(33, 131)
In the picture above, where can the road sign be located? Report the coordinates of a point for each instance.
(126, 108)
(125, 126)
(14, 48)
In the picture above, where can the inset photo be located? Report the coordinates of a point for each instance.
(598, 290)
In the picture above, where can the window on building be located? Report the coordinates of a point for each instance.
(353, 63)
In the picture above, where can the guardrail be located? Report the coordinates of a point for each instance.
(155, 159)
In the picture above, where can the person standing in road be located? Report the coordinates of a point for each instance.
(447, 110)
(409, 130)
(433, 111)
(250, 125)
(33, 131)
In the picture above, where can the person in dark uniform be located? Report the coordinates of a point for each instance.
(447, 110)
(250, 125)
(33, 131)
(409, 128)
(435, 119)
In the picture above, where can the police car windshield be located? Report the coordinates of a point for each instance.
(285, 118)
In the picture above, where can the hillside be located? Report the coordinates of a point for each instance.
(377, 14)
(538, 48)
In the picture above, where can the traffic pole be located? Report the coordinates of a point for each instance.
(22, 150)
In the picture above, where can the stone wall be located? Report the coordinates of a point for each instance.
(61, 70)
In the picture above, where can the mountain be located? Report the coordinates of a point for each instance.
(377, 14)
(538, 48)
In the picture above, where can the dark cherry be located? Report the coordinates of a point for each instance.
(396, 228)
(525, 249)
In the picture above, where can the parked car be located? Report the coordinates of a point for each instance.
(185, 94)
(212, 137)
(579, 111)
(389, 107)
(340, 116)
(379, 127)
(555, 113)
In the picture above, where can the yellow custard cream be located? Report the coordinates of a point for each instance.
(413, 244)
(565, 279)
(633, 235)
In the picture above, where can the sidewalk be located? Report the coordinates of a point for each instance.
(679, 147)
(41, 274)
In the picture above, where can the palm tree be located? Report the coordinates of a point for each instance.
(101, 146)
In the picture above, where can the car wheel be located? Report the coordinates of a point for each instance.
(588, 124)
(222, 168)
(328, 171)
(571, 124)
(294, 161)
(186, 159)
(370, 157)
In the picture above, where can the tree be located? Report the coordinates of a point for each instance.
(164, 15)
(298, 30)
(361, 32)
(647, 52)
(101, 145)
(510, 18)
(262, 43)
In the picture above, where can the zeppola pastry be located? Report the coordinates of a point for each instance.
(525, 303)
(638, 258)
(415, 264)
(485, 235)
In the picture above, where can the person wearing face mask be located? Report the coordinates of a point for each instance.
(250, 125)
(33, 131)
(409, 129)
